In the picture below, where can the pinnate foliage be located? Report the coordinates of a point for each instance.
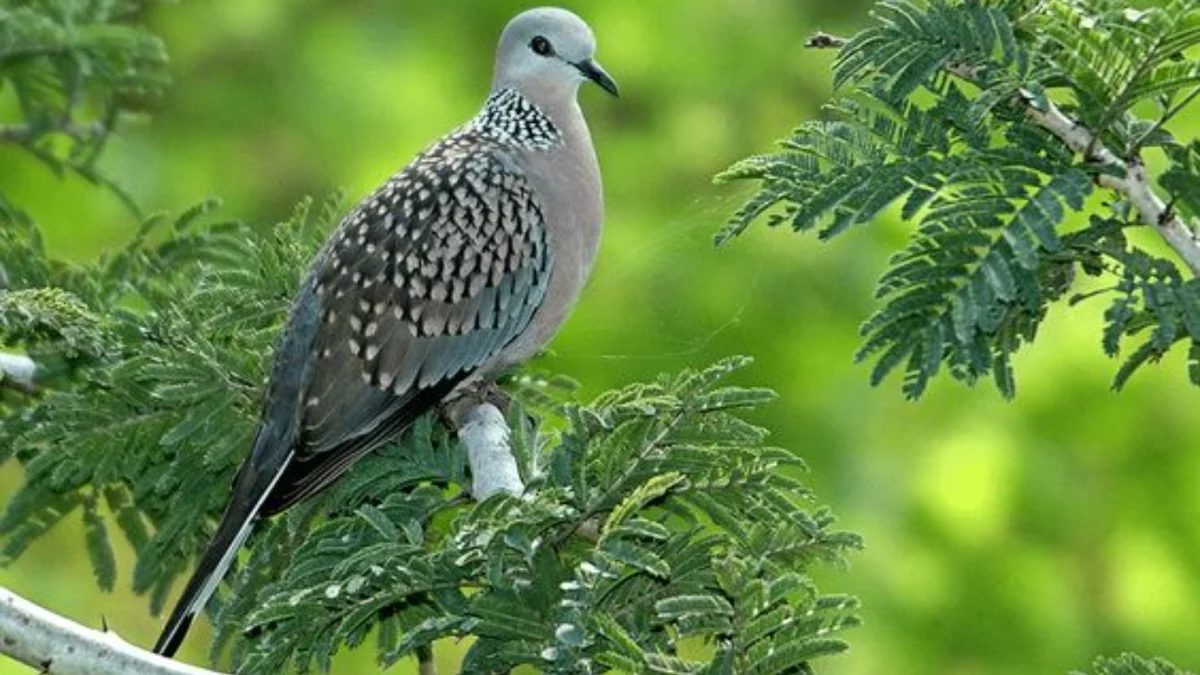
(655, 514)
(654, 517)
(931, 120)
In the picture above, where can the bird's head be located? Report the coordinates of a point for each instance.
(548, 52)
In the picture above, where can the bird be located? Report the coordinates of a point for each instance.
(460, 266)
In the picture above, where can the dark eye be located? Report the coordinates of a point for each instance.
(541, 46)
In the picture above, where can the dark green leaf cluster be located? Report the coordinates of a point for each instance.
(74, 69)
(659, 534)
(931, 120)
(155, 357)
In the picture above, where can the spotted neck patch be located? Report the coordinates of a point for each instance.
(510, 118)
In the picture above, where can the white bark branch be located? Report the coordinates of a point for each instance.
(58, 646)
(1135, 185)
(18, 371)
(484, 431)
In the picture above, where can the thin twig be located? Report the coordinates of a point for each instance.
(25, 133)
(28, 52)
(55, 645)
(1167, 116)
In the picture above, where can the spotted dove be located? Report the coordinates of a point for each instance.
(464, 263)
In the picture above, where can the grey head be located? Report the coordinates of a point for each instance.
(545, 54)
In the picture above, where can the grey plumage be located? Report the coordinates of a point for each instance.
(465, 262)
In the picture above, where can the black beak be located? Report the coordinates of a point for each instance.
(592, 71)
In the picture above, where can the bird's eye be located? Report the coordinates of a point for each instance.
(541, 46)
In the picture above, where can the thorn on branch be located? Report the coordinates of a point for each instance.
(822, 40)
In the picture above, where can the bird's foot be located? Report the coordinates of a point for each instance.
(472, 395)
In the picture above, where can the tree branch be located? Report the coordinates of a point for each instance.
(58, 646)
(484, 431)
(18, 372)
(1135, 185)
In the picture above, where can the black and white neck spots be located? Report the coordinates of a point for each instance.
(510, 118)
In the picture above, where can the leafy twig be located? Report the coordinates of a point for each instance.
(1134, 185)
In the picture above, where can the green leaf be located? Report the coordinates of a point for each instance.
(638, 557)
(681, 606)
(100, 553)
(651, 490)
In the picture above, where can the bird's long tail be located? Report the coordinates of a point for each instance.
(250, 491)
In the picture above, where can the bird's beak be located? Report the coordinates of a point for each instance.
(592, 71)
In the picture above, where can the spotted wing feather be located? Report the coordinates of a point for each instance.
(422, 284)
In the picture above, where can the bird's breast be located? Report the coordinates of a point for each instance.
(567, 182)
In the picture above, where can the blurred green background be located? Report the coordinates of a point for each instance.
(1022, 537)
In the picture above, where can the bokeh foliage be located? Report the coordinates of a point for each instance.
(73, 69)
(1004, 538)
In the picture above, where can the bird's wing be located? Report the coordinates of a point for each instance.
(423, 283)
